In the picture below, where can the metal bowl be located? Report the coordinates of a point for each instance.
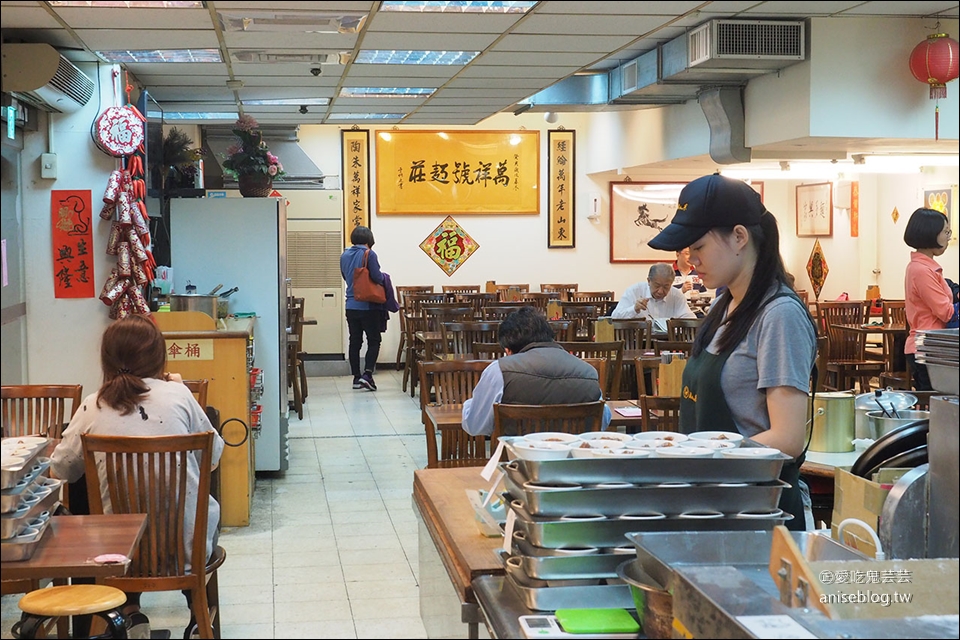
(654, 604)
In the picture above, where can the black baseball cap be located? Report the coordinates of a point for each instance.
(709, 202)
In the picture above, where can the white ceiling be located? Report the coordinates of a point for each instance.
(520, 54)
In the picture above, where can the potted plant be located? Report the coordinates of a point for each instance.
(180, 160)
(250, 162)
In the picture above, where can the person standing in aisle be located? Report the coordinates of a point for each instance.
(928, 299)
(363, 318)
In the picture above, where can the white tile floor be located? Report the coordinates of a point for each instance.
(332, 546)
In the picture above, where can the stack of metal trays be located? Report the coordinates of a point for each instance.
(939, 349)
(28, 496)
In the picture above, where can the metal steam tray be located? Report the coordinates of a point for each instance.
(10, 498)
(10, 476)
(652, 470)
(546, 564)
(670, 500)
(46, 499)
(22, 546)
(603, 596)
(553, 533)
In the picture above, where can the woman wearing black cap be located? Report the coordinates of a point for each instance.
(750, 366)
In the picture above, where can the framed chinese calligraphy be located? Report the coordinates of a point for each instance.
(72, 243)
(457, 172)
(355, 172)
(815, 209)
(638, 212)
(449, 246)
(561, 224)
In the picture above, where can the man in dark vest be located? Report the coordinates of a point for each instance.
(535, 370)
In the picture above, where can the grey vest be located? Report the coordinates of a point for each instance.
(543, 373)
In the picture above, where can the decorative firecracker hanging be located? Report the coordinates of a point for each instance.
(935, 61)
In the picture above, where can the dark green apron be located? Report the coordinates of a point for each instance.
(703, 407)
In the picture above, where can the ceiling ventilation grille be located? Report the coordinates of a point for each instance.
(746, 39)
(73, 82)
(259, 55)
(313, 259)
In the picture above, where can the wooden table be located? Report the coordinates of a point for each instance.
(70, 543)
(632, 424)
(895, 361)
(439, 496)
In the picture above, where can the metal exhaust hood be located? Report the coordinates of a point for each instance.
(283, 142)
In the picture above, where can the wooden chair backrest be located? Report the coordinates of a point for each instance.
(150, 475)
(641, 366)
(563, 330)
(435, 315)
(563, 289)
(487, 350)
(459, 337)
(199, 390)
(591, 296)
(451, 382)
(804, 296)
(521, 419)
(38, 409)
(584, 315)
(499, 311)
(683, 329)
(659, 346)
(668, 413)
(844, 345)
(636, 335)
(823, 357)
(540, 300)
(461, 288)
(477, 301)
(600, 364)
(894, 312)
(502, 289)
(414, 302)
(611, 353)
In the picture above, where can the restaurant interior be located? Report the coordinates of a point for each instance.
(359, 514)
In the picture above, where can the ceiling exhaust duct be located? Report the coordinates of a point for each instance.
(723, 108)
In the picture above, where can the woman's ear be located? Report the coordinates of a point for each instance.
(740, 237)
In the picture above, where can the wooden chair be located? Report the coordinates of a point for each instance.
(894, 313)
(460, 288)
(584, 315)
(611, 353)
(459, 337)
(477, 301)
(563, 330)
(199, 390)
(804, 296)
(847, 361)
(643, 367)
(521, 419)
(502, 290)
(604, 300)
(683, 329)
(296, 373)
(667, 417)
(38, 409)
(499, 311)
(600, 364)
(487, 350)
(540, 300)
(402, 291)
(412, 313)
(823, 357)
(563, 289)
(451, 382)
(432, 317)
(149, 475)
(659, 346)
(636, 335)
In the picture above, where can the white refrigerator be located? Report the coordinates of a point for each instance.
(241, 242)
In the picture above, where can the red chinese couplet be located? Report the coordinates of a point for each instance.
(72, 243)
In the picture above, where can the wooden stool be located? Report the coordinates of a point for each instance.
(71, 600)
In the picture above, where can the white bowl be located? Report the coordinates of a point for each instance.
(722, 436)
(750, 452)
(581, 450)
(701, 514)
(576, 551)
(614, 485)
(551, 436)
(669, 436)
(606, 435)
(671, 485)
(645, 445)
(587, 518)
(28, 441)
(649, 515)
(774, 513)
(540, 450)
(622, 452)
(685, 452)
(709, 444)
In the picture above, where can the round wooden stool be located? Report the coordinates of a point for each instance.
(71, 600)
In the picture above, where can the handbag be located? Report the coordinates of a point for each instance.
(365, 289)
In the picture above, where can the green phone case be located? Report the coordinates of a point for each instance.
(597, 621)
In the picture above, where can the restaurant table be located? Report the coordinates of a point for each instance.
(448, 529)
(70, 543)
(896, 361)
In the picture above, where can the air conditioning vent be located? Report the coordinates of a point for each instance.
(39, 75)
(313, 259)
(72, 82)
(628, 77)
(258, 55)
(774, 41)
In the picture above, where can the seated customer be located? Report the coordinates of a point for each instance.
(535, 370)
(138, 399)
(685, 276)
(656, 298)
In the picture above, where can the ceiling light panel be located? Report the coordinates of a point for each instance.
(250, 20)
(386, 92)
(165, 55)
(455, 6)
(131, 4)
(274, 102)
(393, 56)
(366, 116)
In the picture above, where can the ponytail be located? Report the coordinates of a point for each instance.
(132, 349)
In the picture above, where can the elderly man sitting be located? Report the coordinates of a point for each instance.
(536, 370)
(656, 298)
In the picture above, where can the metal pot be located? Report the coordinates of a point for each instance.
(194, 302)
(833, 422)
(880, 424)
(867, 402)
(654, 603)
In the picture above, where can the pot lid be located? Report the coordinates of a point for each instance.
(886, 397)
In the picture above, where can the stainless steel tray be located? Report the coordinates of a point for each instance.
(660, 552)
(603, 596)
(552, 533)
(9, 477)
(544, 564)
(10, 498)
(652, 470)
(12, 524)
(22, 547)
(667, 500)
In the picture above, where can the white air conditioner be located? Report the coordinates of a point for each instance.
(37, 74)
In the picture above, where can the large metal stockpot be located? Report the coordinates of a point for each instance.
(833, 422)
(874, 401)
(194, 302)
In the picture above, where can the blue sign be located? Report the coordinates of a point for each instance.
(11, 122)
(216, 194)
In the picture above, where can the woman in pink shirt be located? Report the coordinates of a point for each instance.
(928, 299)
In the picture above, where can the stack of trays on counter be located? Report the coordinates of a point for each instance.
(28, 497)
(939, 349)
(569, 516)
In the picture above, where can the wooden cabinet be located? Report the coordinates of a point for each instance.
(222, 358)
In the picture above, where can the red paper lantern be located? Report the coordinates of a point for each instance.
(935, 61)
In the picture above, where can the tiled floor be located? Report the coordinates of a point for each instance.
(332, 548)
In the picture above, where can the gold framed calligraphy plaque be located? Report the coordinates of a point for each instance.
(355, 172)
(561, 170)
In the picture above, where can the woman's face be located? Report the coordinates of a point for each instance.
(943, 238)
(715, 258)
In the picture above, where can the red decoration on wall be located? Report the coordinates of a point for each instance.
(935, 61)
(72, 243)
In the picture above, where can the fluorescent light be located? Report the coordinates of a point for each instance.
(287, 101)
(193, 115)
(366, 116)
(133, 4)
(911, 161)
(385, 92)
(389, 56)
(161, 55)
(454, 6)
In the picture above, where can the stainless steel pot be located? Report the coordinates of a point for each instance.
(867, 402)
(880, 424)
(654, 603)
(833, 422)
(194, 302)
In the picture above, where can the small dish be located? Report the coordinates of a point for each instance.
(551, 436)
(606, 435)
(701, 514)
(622, 452)
(685, 452)
(709, 444)
(614, 485)
(29, 441)
(576, 551)
(646, 445)
(761, 515)
(648, 515)
(586, 518)
(669, 436)
(582, 450)
(540, 450)
(722, 436)
(669, 485)
(750, 452)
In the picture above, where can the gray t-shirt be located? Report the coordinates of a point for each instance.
(778, 351)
